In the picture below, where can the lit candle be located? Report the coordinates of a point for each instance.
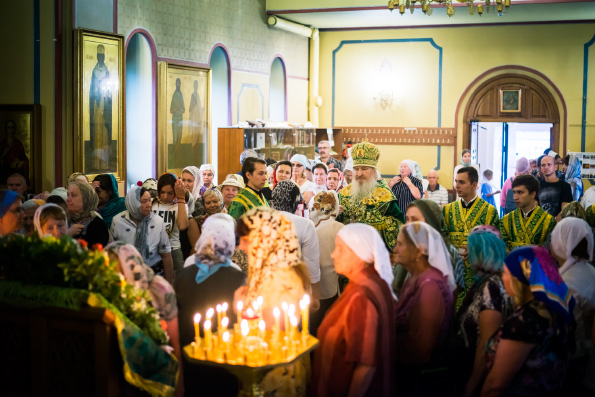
(260, 301)
(240, 307)
(250, 313)
(262, 327)
(224, 308)
(294, 323)
(207, 330)
(218, 308)
(197, 328)
(210, 313)
(284, 306)
(224, 324)
(304, 307)
(226, 344)
(245, 331)
(291, 311)
(277, 314)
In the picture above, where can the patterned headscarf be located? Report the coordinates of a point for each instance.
(215, 245)
(326, 204)
(573, 174)
(430, 242)
(567, 234)
(533, 266)
(486, 251)
(142, 230)
(37, 217)
(90, 202)
(139, 275)
(341, 183)
(285, 196)
(366, 243)
(8, 198)
(273, 245)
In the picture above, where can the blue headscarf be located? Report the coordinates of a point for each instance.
(8, 199)
(533, 266)
(486, 251)
(115, 205)
(573, 174)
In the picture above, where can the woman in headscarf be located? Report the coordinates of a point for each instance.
(465, 162)
(299, 163)
(212, 201)
(426, 210)
(85, 223)
(572, 247)
(277, 273)
(573, 176)
(405, 186)
(484, 308)
(50, 220)
(208, 278)
(522, 167)
(287, 197)
(192, 182)
(323, 213)
(207, 173)
(424, 310)
(110, 203)
(572, 210)
(146, 231)
(138, 274)
(11, 212)
(282, 172)
(29, 208)
(357, 336)
(529, 353)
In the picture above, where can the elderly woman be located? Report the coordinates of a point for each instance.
(299, 163)
(426, 210)
(85, 223)
(50, 220)
(276, 273)
(424, 310)
(213, 204)
(572, 210)
(192, 183)
(208, 278)
(406, 187)
(484, 308)
(323, 213)
(230, 188)
(11, 212)
(572, 247)
(529, 354)
(77, 176)
(29, 208)
(357, 336)
(110, 202)
(146, 231)
(207, 172)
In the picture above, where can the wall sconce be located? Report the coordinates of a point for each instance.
(384, 83)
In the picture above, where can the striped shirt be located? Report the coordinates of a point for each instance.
(403, 193)
(439, 195)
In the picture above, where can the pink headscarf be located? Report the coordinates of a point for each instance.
(522, 166)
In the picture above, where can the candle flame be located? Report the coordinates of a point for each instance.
(197, 318)
(250, 312)
(262, 325)
(307, 298)
(240, 305)
(210, 313)
(276, 312)
(284, 306)
(224, 322)
(218, 308)
(207, 325)
(226, 336)
(303, 305)
(255, 305)
(291, 310)
(260, 300)
(294, 321)
(224, 306)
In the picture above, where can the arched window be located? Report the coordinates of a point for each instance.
(277, 91)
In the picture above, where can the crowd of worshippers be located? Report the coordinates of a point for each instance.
(412, 295)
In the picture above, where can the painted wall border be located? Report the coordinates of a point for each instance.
(414, 40)
(585, 81)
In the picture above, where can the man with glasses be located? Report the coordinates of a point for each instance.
(324, 151)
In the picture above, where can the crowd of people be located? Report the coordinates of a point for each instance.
(413, 292)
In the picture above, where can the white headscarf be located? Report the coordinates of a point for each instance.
(37, 217)
(566, 236)
(197, 174)
(414, 167)
(431, 243)
(204, 168)
(366, 243)
(217, 242)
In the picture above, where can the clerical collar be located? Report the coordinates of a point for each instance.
(435, 188)
(467, 205)
(528, 214)
(258, 192)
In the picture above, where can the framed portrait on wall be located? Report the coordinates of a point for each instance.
(99, 137)
(510, 101)
(20, 144)
(184, 117)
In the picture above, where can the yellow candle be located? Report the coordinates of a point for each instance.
(224, 308)
(245, 331)
(197, 328)
(224, 324)
(294, 323)
(285, 307)
(240, 307)
(262, 328)
(210, 313)
(218, 308)
(226, 344)
(277, 314)
(304, 307)
(250, 313)
(207, 330)
(260, 301)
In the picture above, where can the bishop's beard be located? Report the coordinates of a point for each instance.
(362, 189)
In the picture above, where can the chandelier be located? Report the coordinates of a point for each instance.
(426, 6)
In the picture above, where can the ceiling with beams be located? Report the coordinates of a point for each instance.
(374, 14)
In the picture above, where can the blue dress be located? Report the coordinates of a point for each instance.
(486, 189)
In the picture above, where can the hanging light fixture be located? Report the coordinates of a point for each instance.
(426, 6)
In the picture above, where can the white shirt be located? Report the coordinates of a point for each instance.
(308, 240)
(329, 279)
(308, 186)
(439, 196)
(169, 213)
(124, 229)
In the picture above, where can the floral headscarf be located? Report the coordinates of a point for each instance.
(326, 204)
(139, 275)
(285, 196)
(573, 174)
(273, 245)
(142, 230)
(215, 245)
(533, 266)
(37, 217)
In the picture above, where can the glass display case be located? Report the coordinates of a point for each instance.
(281, 143)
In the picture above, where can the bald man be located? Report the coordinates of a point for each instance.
(554, 194)
(435, 192)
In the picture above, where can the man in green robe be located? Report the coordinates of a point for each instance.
(529, 224)
(254, 171)
(368, 200)
(463, 215)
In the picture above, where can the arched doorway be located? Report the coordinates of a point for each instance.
(221, 98)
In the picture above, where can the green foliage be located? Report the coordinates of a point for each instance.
(68, 263)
